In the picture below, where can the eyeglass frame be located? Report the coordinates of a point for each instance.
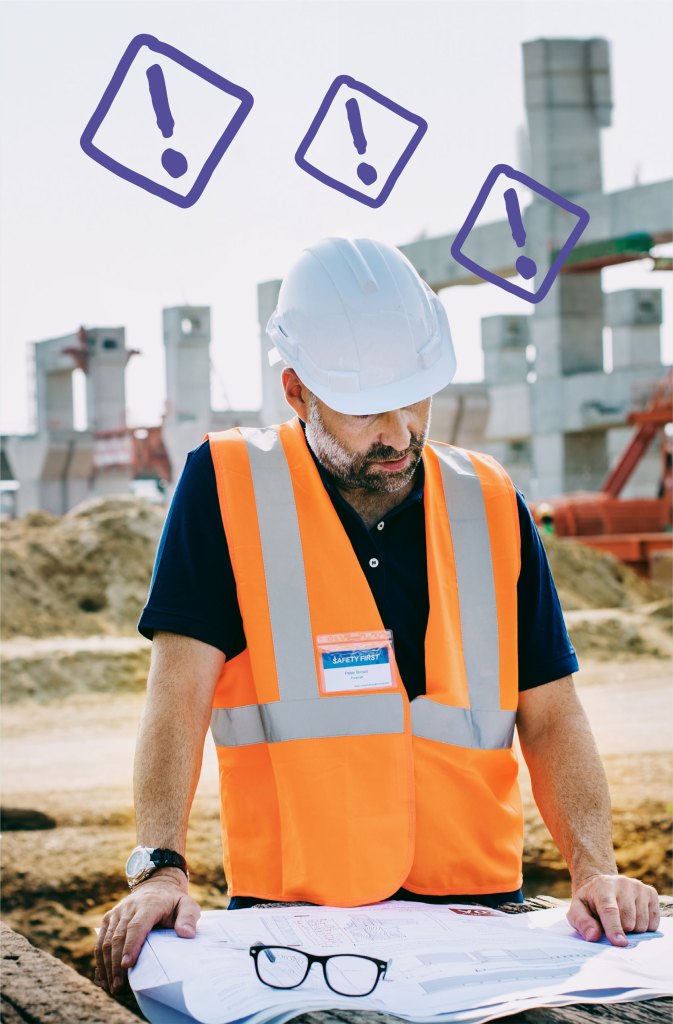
(312, 958)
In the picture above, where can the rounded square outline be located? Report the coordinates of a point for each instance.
(340, 186)
(546, 193)
(218, 151)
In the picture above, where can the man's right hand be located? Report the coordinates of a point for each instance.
(161, 901)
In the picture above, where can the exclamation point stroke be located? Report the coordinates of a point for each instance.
(525, 265)
(172, 161)
(366, 173)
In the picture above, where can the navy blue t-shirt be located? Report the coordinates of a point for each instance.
(193, 592)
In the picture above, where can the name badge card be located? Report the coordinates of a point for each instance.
(356, 661)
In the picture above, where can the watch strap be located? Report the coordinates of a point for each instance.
(168, 859)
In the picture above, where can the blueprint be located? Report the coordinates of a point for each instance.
(446, 964)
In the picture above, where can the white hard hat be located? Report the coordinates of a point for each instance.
(360, 328)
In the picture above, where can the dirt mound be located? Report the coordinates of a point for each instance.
(52, 674)
(587, 578)
(615, 638)
(87, 573)
(83, 573)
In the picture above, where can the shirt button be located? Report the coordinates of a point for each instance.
(373, 562)
(379, 526)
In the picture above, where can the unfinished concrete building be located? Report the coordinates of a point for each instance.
(58, 466)
(557, 421)
(547, 408)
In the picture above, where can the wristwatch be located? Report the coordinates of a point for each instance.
(145, 860)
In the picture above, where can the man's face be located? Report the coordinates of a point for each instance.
(375, 453)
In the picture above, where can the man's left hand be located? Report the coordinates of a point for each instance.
(612, 905)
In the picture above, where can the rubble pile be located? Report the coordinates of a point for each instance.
(80, 574)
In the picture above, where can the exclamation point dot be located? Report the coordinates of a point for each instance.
(174, 163)
(367, 174)
(526, 267)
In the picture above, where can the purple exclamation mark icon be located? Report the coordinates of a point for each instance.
(366, 173)
(172, 161)
(524, 264)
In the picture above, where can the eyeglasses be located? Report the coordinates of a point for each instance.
(347, 974)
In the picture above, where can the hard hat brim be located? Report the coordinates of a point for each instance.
(397, 395)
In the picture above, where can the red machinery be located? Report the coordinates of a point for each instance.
(630, 528)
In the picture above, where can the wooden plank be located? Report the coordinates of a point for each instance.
(39, 989)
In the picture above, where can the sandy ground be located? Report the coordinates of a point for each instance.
(71, 757)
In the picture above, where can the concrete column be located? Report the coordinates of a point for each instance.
(187, 347)
(635, 316)
(568, 101)
(274, 407)
(53, 384)
(107, 357)
(504, 340)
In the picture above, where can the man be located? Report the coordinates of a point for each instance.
(344, 538)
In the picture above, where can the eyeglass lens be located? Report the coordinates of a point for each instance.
(282, 968)
(351, 975)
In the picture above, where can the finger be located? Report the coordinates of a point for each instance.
(628, 912)
(106, 950)
(186, 918)
(609, 914)
(654, 909)
(583, 921)
(102, 950)
(138, 929)
(100, 961)
(642, 911)
(117, 945)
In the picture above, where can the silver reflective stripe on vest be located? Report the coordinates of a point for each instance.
(283, 564)
(462, 727)
(483, 725)
(361, 715)
(301, 713)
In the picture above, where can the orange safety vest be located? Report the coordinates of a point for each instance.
(340, 799)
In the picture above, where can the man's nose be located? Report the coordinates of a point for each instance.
(395, 432)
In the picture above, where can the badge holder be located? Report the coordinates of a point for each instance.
(353, 662)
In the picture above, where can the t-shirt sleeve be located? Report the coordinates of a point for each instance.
(545, 650)
(193, 591)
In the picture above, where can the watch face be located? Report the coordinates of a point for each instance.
(137, 862)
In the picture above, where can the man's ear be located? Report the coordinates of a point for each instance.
(296, 392)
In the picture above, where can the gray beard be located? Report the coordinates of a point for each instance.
(353, 471)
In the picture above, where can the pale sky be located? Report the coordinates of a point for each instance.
(81, 246)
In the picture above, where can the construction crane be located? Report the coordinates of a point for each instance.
(633, 529)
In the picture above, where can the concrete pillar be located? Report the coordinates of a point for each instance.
(53, 384)
(568, 101)
(53, 469)
(188, 413)
(504, 340)
(274, 407)
(548, 465)
(634, 315)
(107, 357)
(187, 347)
(459, 415)
(585, 460)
